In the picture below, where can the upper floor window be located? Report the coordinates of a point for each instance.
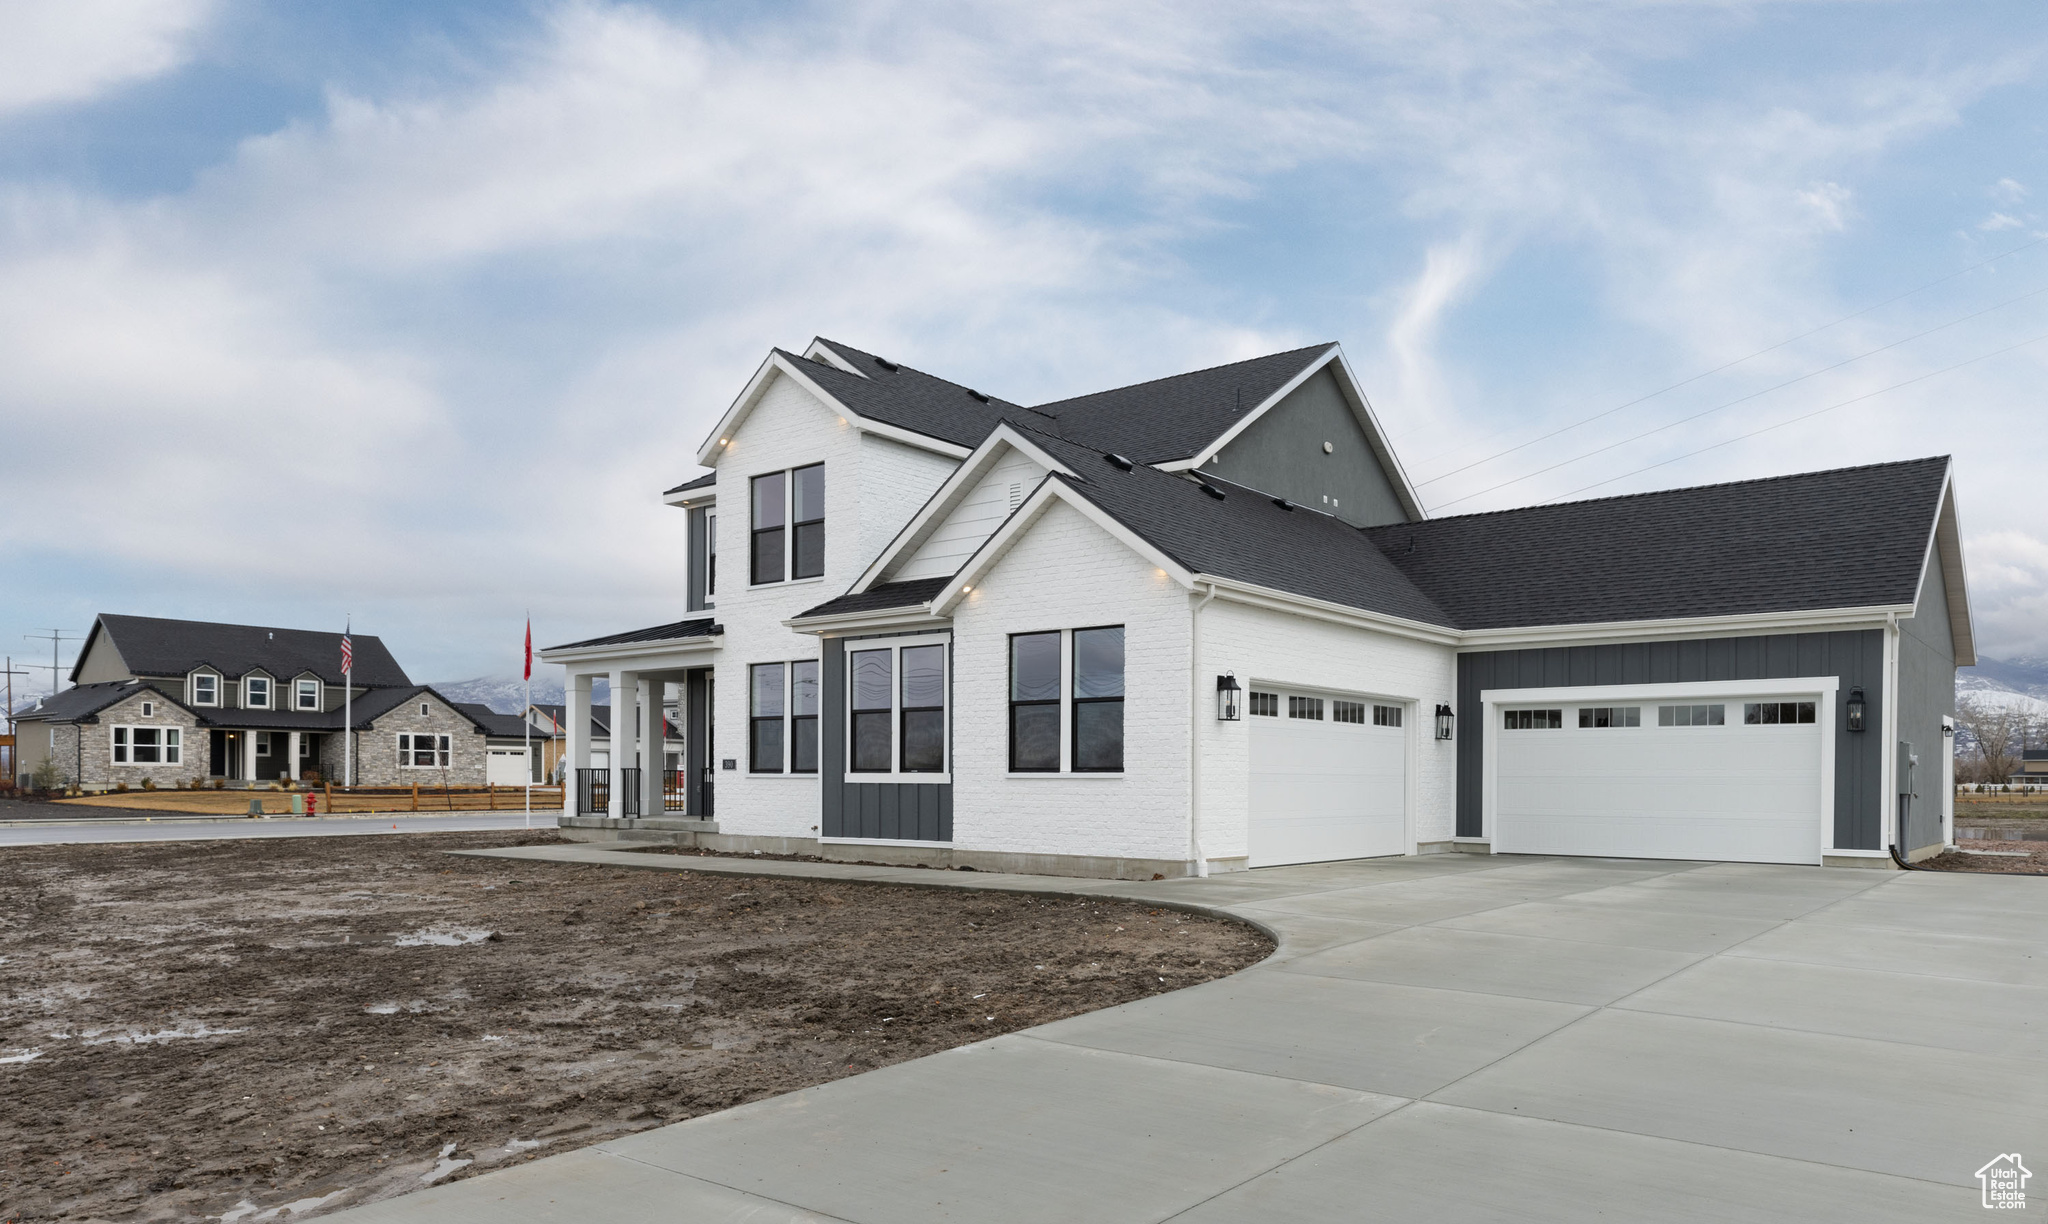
(710, 555)
(205, 690)
(307, 695)
(256, 692)
(782, 501)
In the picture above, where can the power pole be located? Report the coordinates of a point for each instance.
(56, 638)
(11, 672)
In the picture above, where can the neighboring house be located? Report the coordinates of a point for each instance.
(180, 703)
(1203, 623)
(509, 745)
(2033, 768)
(550, 720)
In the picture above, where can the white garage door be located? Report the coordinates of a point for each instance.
(1682, 779)
(505, 766)
(1329, 777)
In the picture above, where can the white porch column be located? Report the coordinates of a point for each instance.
(625, 690)
(249, 755)
(651, 758)
(291, 757)
(576, 729)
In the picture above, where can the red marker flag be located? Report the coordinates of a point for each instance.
(529, 649)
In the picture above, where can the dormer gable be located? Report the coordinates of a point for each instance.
(987, 488)
(307, 693)
(205, 687)
(257, 690)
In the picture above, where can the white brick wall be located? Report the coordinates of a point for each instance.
(1257, 644)
(1067, 573)
(872, 486)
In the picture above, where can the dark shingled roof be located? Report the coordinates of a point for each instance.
(911, 399)
(1174, 418)
(81, 702)
(153, 646)
(700, 627)
(914, 593)
(702, 482)
(496, 725)
(1847, 538)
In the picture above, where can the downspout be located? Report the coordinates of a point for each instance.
(1889, 752)
(1194, 738)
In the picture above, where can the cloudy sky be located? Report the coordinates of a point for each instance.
(407, 311)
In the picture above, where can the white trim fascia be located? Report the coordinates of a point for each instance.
(1320, 609)
(692, 499)
(909, 617)
(1248, 419)
(776, 363)
(662, 654)
(1888, 832)
(1021, 519)
(1687, 626)
(1945, 540)
(818, 348)
(1361, 409)
(946, 498)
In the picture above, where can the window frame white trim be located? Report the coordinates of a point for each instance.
(896, 775)
(269, 690)
(169, 739)
(299, 684)
(405, 751)
(192, 688)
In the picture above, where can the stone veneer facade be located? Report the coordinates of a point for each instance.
(376, 748)
(85, 751)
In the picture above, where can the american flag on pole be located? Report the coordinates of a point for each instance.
(348, 653)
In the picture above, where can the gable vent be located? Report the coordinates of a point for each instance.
(1118, 462)
(1016, 495)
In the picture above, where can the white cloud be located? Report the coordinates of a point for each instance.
(2000, 221)
(69, 51)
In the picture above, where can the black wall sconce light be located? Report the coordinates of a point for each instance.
(1227, 695)
(1444, 718)
(1855, 719)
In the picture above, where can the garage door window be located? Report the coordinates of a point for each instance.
(1347, 711)
(1765, 713)
(1386, 716)
(1305, 707)
(1535, 720)
(1266, 705)
(1611, 716)
(1692, 716)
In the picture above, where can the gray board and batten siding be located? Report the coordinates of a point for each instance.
(896, 811)
(1281, 455)
(1927, 692)
(698, 550)
(1855, 656)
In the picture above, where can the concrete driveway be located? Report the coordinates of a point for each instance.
(1450, 1038)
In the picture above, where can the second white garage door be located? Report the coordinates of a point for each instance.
(1737, 780)
(505, 766)
(1329, 777)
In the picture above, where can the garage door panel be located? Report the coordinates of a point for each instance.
(1744, 793)
(1323, 790)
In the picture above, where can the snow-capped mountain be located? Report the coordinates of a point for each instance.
(507, 694)
(2021, 683)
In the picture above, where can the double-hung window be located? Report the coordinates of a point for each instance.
(788, 534)
(205, 690)
(710, 555)
(256, 692)
(307, 695)
(782, 717)
(422, 751)
(148, 745)
(896, 698)
(1067, 701)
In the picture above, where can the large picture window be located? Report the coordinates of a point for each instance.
(765, 718)
(422, 751)
(807, 514)
(148, 745)
(1035, 702)
(770, 515)
(1099, 700)
(896, 699)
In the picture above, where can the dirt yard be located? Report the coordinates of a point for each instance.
(266, 1030)
(2007, 858)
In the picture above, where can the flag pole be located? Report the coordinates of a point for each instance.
(348, 706)
(526, 719)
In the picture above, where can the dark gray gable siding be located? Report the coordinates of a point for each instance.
(1856, 656)
(1281, 453)
(698, 545)
(895, 810)
(1852, 537)
(1927, 692)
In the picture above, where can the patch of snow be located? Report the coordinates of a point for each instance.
(392, 1009)
(246, 1210)
(24, 1056)
(94, 1038)
(490, 1037)
(442, 938)
(445, 1166)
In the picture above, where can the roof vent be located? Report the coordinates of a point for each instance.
(978, 395)
(1118, 462)
(887, 364)
(1212, 490)
(1283, 503)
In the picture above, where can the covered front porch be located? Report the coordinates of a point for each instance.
(635, 792)
(249, 755)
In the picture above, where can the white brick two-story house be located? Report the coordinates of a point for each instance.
(1204, 623)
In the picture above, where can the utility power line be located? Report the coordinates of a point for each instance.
(1807, 416)
(1725, 365)
(56, 638)
(1740, 399)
